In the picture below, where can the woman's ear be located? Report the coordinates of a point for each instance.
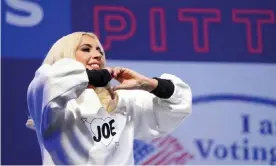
(30, 124)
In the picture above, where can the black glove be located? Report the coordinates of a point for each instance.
(164, 89)
(98, 78)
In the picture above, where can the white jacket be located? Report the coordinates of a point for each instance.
(73, 128)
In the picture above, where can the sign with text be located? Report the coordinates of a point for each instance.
(232, 31)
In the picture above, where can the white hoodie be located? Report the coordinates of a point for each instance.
(73, 127)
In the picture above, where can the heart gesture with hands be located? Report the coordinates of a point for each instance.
(131, 80)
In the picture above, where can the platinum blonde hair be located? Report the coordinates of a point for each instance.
(66, 47)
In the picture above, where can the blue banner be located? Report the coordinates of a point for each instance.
(31, 27)
(221, 31)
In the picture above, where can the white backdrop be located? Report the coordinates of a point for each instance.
(234, 111)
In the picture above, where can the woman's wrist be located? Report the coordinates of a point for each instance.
(148, 84)
(98, 78)
(164, 88)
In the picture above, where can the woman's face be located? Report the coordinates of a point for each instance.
(89, 53)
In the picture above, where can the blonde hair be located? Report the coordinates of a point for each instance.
(66, 47)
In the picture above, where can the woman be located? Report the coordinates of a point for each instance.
(80, 119)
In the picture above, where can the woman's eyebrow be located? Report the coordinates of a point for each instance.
(88, 45)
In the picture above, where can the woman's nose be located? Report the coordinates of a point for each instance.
(96, 55)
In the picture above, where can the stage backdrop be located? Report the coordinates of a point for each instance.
(225, 50)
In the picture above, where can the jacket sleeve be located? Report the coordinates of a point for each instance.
(49, 92)
(153, 116)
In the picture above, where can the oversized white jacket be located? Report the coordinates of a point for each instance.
(73, 127)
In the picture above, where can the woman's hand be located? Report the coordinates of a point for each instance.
(130, 79)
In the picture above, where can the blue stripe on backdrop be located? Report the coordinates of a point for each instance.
(234, 97)
(189, 30)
